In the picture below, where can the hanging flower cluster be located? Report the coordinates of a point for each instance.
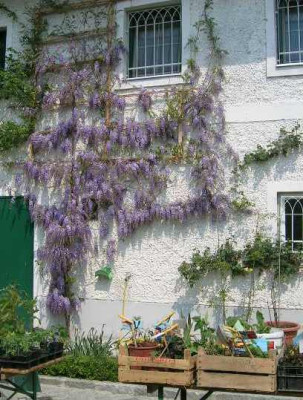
(115, 168)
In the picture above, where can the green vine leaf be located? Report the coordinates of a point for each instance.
(285, 144)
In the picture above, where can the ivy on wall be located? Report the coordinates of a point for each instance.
(19, 88)
(287, 142)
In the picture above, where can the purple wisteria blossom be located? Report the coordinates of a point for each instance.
(111, 250)
(145, 100)
(109, 170)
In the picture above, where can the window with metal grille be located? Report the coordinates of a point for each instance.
(2, 47)
(289, 20)
(292, 220)
(155, 42)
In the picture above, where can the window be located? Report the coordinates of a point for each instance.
(2, 47)
(155, 42)
(289, 22)
(292, 220)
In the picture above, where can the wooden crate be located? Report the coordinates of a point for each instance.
(164, 371)
(237, 373)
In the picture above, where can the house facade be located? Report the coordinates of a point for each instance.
(262, 93)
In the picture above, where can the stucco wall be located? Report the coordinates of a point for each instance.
(257, 106)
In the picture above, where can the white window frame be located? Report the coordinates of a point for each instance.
(123, 8)
(273, 68)
(136, 15)
(275, 190)
(282, 228)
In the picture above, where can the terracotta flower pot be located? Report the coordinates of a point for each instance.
(290, 329)
(143, 349)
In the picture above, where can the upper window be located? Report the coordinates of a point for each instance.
(2, 47)
(289, 14)
(155, 42)
(292, 220)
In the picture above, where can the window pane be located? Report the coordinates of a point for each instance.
(298, 227)
(155, 41)
(289, 31)
(288, 227)
(167, 54)
(132, 48)
(288, 207)
(298, 207)
(2, 48)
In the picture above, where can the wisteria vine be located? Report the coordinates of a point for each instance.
(105, 166)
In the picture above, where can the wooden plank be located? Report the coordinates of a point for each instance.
(156, 362)
(74, 6)
(236, 364)
(15, 372)
(156, 377)
(243, 382)
(53, 39)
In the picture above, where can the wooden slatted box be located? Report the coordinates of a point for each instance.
(237, 373)
(164, 371)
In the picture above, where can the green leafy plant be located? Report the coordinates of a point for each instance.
(225, 260)
(15, 82)
(8, 12)
(286, 142)
(231, 321)
(261, 326)
(46, 336)
(207, 337)
(259, 253)
(241, 202)
(17, 310)
(86, 367)
(13, 134)
(292, 357)
(92, 344)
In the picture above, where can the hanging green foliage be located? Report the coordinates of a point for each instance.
(285, 144)
(261, 254)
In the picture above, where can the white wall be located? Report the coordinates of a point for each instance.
(257, 106)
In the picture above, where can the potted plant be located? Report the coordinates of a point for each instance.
(282, 264)
(141, 344)
(285, 265)
(159, 356)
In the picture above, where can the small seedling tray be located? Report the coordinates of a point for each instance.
(290, 378)
(20, 362)
(30, 361)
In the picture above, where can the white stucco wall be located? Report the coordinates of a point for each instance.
(257, 106)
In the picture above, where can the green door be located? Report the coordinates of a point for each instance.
(16, 245)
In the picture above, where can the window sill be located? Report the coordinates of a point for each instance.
(151, 82)
(274, 70)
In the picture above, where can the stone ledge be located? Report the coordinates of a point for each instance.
(140, 390)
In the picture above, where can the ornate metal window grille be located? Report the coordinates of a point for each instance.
(292, 220)
(155, 42)
(2, 47)
(289, 21)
